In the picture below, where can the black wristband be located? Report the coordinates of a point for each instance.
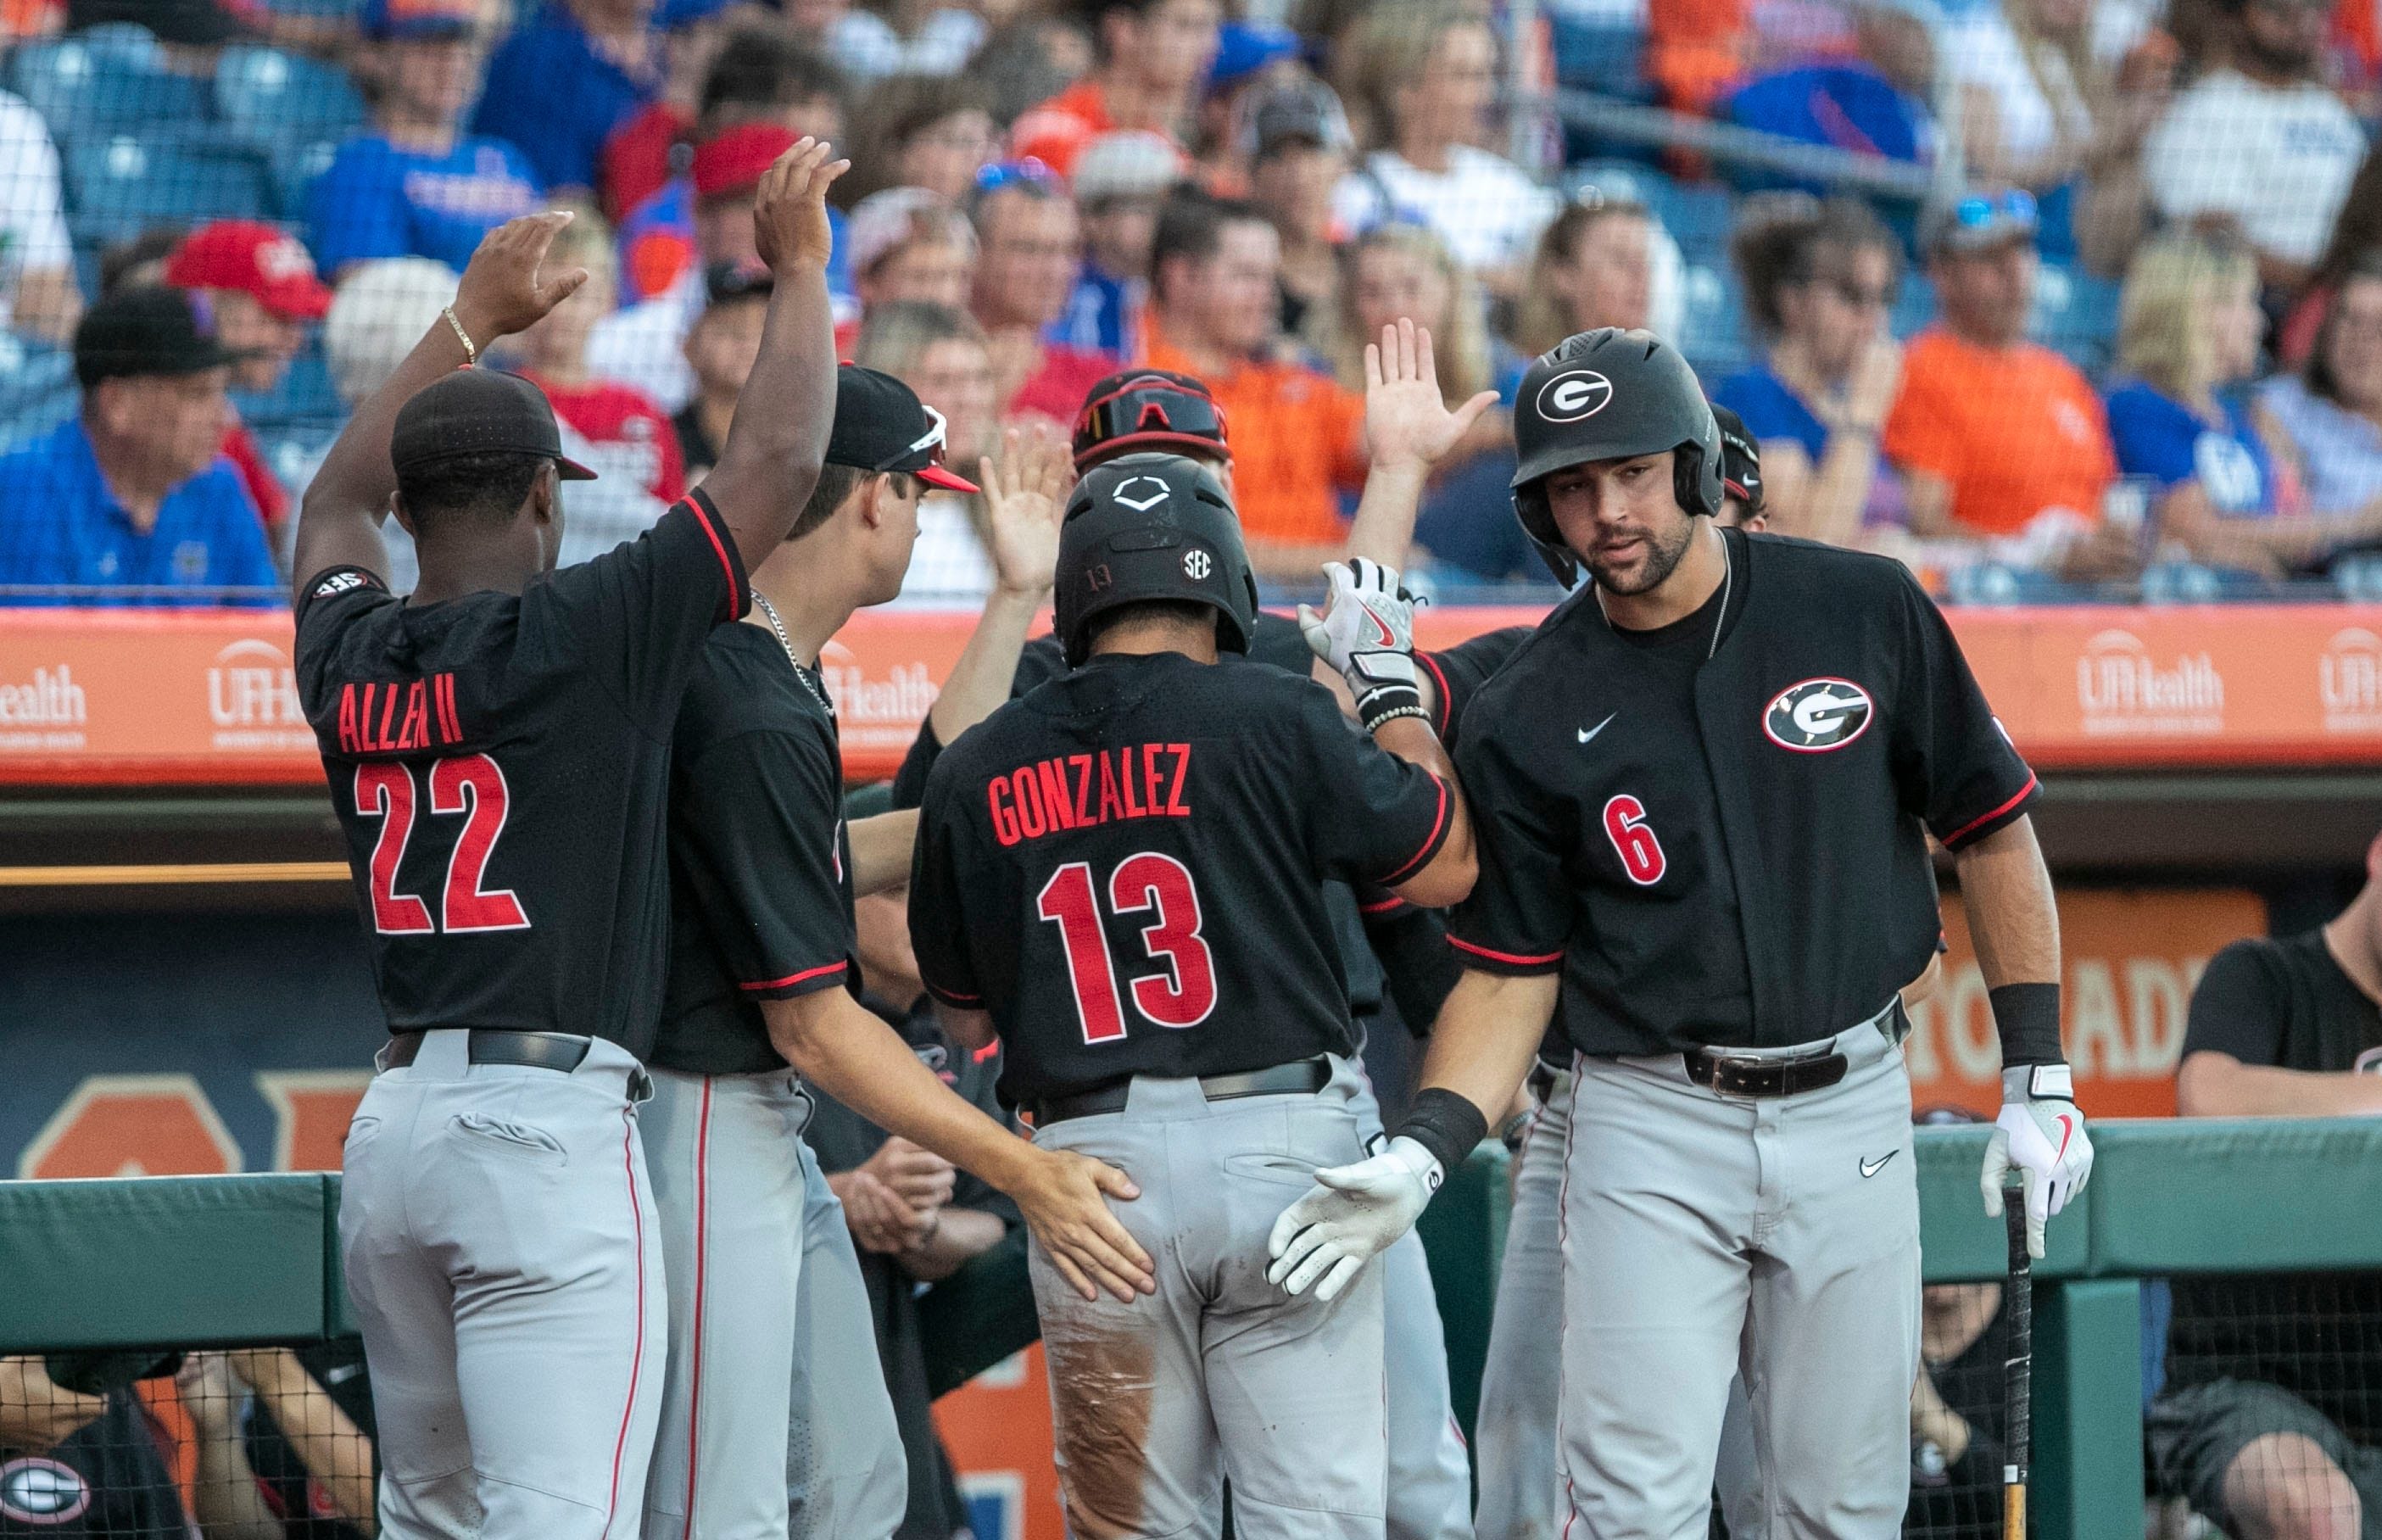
(1383, 702)
(2027, 1016)
(1445, 1123)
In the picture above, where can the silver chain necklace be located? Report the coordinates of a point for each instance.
(1727, 579)
(769, 613)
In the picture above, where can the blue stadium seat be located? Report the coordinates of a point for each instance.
(103, 82)
(273, 98)
(1699, 216)
(1712, 327)
(37, 388)
(2076, 314)
(294, 168)
(1915, 308)
(1604, 56)
(119, 186)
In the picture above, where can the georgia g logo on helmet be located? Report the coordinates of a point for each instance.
(1574, 395)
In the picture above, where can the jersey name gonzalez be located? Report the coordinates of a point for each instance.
(1082, 791)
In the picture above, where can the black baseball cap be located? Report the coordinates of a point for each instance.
(1740, 460)
(1302, 112)
(479, 411)
(148, 331)
(881, 425)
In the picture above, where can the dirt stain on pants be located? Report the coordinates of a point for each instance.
(1100, 1396)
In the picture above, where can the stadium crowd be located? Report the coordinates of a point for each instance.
(2137, 351)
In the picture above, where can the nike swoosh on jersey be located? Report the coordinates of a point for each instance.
(1587, 733)
(1870, 1168)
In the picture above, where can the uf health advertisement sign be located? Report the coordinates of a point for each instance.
(240, 1042)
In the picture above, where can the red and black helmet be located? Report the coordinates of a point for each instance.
(1142, 409)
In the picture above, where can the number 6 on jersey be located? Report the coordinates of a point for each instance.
(1150, 883)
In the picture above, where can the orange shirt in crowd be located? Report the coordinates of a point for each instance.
(1056, 132)
(1297, 437)
(2014, 430)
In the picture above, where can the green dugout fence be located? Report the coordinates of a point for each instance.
(219, 1262)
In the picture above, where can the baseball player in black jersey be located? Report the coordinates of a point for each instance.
(1118, 875)
(764, 873)
(1386, 947)
(497, 748)
(1705, 785)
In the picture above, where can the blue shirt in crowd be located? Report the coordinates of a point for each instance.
(379, 200)
(2158, 436)
(1103, 315)
(1847, 106)
(59, 524)
(551, 92)
(1773, 414)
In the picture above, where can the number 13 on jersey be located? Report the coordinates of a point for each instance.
(1148, 883)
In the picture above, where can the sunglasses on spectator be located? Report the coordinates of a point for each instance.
(1029, 174)
(1859, 296)
(1980, 213)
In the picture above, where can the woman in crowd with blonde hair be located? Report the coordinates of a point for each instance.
(1418, 79)
(1600, 262)
(1403, 271)
(2188, 328)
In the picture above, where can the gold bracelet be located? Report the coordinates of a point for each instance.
(471, 353)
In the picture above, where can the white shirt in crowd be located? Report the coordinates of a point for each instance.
(1484, 206)
(2278, 158)
(645, 344)
(949, 566)
(2031, 105)
(32, 214)
(867, 48)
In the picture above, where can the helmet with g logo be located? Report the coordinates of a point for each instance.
(1609, 394)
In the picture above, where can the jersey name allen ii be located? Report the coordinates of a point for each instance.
(1080, 791)
(371, 721)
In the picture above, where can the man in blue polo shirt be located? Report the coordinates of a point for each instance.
(414, 184)
(561, 84)
(132, 499)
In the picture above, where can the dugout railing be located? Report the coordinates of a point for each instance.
(227, 1262)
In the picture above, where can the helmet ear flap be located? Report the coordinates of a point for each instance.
(1691, 481)
(1537, 521)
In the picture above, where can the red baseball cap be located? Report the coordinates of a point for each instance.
(250, 258)
(733, 160)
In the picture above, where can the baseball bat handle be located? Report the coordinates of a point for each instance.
(2017, 1370)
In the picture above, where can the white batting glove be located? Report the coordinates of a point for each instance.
(1366, 633)
(1354, 1213)
(2040, 1132)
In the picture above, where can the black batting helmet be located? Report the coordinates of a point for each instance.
(1152, 526)
(1147, 409)
(1740, 462)
(1609, 394)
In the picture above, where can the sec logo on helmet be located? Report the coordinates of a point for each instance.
(1817, 715)
(1577, 394)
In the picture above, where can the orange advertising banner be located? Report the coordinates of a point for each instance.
(208, 697)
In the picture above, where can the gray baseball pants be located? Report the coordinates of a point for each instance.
(498, 1238)
(1430, 1479)
(1219, 1373)
(1705, 1235)
(1522, 1383)
(845, 1474)
(725, 1152)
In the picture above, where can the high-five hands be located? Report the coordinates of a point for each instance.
(790, 223)
(1408, 424)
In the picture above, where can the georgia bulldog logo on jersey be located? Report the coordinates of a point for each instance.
(1817, 715)
(42, 1492)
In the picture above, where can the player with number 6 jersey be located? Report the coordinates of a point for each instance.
(1119, 874)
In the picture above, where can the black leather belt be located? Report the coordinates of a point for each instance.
(556, 1050)
(1736, 1075)
(1303, 1076)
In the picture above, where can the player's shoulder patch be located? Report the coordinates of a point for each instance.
(344, 580)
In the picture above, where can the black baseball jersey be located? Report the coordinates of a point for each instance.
(761, 864)
(1124, 870)
(1460, 671)
(1275, 642)
(500, 766)
(1716, 831)
(106, 1481)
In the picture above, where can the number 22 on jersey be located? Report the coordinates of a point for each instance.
(469, 784)
(1148, 883)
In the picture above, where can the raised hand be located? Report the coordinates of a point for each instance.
(505, 287)
(790, 226)
(1408, 424)
(1025, 501)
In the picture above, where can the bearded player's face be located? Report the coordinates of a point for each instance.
(1623, 520)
